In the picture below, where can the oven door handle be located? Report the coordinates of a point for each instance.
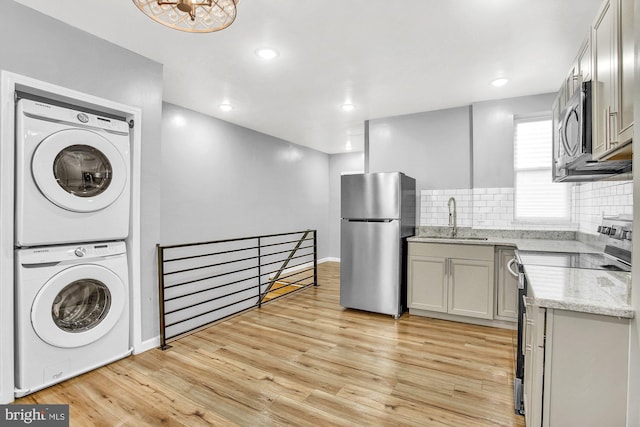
(510, 264)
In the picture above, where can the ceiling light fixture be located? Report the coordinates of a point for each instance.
(348, 107)
(348, 146)
(499, 82)
(193, 16)
(226, 107)
(266, 53)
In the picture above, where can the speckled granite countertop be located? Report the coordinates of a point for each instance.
(576, 289)
(522, 244)
(590, 291)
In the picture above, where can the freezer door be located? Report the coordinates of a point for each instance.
(371, 195)
(371, 267)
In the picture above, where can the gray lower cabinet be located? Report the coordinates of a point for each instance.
(506, 285)
(428, 282)
(576, 368)
(451, 278)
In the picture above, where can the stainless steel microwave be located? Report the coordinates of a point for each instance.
(572, 141)
(572, 135)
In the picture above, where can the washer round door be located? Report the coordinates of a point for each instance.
(78, 306)
(79, 170)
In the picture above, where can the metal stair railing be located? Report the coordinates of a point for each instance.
(205, 282)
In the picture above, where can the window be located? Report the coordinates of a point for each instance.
(537, 198)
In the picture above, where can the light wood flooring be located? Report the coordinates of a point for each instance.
(303, 360)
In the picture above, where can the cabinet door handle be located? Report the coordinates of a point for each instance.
(524, 334)
(613, 129)
(607, 140)
(510, 264)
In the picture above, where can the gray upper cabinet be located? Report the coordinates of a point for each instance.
(612, 55)
(580, 70)
(606, 58)
(626, 70)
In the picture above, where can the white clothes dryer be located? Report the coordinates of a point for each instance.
(72, 176)
(71, 312)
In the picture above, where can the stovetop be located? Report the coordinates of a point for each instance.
(593, 261)
(616, 232)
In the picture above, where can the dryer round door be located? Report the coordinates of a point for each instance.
(78, 306)
(79, 170)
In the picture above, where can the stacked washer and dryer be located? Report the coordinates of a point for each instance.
(72, 205)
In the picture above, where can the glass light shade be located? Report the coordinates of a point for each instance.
(193, 16)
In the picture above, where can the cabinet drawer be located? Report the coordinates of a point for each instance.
(450, 250)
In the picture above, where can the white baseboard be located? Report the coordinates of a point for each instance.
(149, 344)
(328, 259)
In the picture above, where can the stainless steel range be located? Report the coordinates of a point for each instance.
(618, 233)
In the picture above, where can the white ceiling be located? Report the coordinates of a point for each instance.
(386, 57)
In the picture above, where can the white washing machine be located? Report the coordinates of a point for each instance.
(71, 312)
(72, 176)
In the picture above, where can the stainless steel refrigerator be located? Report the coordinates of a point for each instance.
(378, 213)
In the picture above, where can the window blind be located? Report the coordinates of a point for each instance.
(536, 196)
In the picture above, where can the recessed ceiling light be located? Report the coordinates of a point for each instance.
(266, 53)
(348, 146)
(179, 120)
(226, 107)
(348, 107)
(499, 82)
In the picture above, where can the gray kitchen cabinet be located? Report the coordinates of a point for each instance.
(457, 279)
(612, 88)
(580, 70)
(428, 282)
(534, 323)
(626, 70)
(506, 285)
(471, 287)
(576, 368)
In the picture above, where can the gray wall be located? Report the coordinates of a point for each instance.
(221, 181)
(453, 148)
(432, 147)
(493, 137)
(338, 164)
(43, 48)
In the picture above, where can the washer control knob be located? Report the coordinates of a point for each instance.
(83, 117)
(80, 252)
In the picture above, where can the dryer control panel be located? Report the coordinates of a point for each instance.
(43, 110)
(56, 254)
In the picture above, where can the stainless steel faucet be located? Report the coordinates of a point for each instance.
(452, 216)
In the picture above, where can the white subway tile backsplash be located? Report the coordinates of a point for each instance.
(493, 208)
